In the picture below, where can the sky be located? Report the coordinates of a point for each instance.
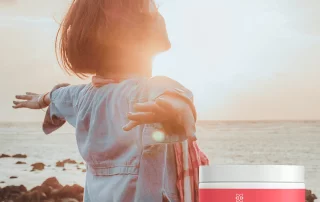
(243, 60)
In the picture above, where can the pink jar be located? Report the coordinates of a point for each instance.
(251, 183)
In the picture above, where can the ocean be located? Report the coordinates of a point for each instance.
(225, 142)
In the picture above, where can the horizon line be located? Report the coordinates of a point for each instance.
(207, 120)
(260, 120)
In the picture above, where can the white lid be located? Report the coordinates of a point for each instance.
(251, 173)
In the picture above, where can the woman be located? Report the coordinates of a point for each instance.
(115, 40)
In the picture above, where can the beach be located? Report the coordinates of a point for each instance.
(231, 142)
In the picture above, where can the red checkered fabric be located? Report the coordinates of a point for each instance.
(196, 158)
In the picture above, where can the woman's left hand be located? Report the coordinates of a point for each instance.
(166, 109)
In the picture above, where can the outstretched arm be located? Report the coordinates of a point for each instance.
(34, 100)
(60, 99)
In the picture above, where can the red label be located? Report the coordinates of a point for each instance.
(252, 195)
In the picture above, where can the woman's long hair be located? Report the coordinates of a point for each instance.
(94, 29)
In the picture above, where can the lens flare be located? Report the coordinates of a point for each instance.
(158, 136)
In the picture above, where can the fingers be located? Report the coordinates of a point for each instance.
(144, 117)
(145, 107)
(182, 115)
(152, 112)
(29, 93)
(18, 104)
(24, 97)
(23, 104)
(149, 107)
(130, 125)
(165, 104)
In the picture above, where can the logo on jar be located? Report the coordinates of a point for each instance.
(239, 197)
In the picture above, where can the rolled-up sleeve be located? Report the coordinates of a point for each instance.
(62, 108)
(157, 87)
(62, 104)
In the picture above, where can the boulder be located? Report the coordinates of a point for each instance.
(19, 156)
(20, 162)
(53, 183)
(4, 156)
(59, 164)
(310, 197)
(70, 161)
(37, 166)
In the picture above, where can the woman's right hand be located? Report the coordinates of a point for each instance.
(29, 100)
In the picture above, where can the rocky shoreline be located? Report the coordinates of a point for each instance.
(52, 191)
(49, 191)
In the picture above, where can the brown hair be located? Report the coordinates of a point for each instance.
(95, 29)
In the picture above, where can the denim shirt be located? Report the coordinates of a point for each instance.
(123, 166)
